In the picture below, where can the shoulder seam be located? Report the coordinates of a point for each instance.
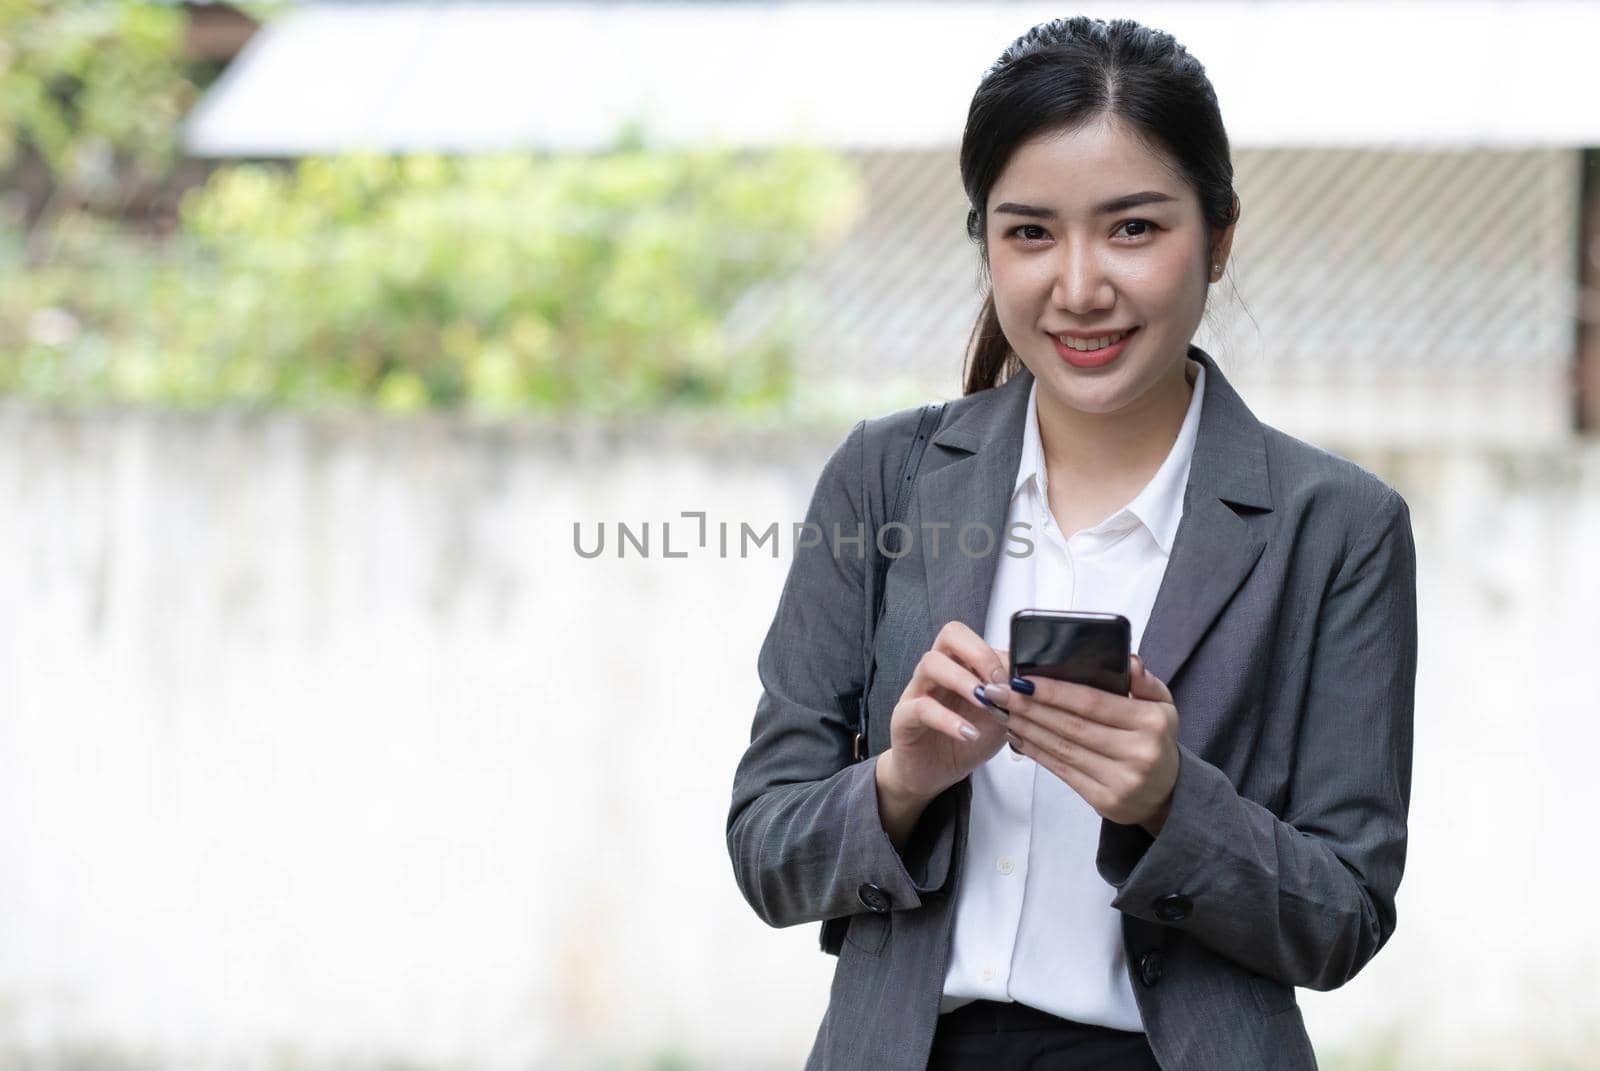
(1385, 500)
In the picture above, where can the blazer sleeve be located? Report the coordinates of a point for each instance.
(1307, 899)
(804, 831)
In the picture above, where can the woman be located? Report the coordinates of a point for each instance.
(1138, 881)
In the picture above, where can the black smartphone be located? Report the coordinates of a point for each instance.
(1070, 645)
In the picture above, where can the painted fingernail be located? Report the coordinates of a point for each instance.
(998, 694)
(969, 731)
(978, 691)
(1023, 685)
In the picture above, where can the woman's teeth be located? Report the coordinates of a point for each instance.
(1089, 345)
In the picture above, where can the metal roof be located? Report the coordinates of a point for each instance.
(476, 76)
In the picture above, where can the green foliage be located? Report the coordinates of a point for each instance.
(506, 283)
(503, 283)
(96, 89)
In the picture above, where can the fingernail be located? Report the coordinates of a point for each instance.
(1011, 742)
(1023, 685)
(998, 675)
(1000, 713)
(978, 691)
(998, 694)
(969, 731)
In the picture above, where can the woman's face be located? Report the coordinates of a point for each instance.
(1065, 257)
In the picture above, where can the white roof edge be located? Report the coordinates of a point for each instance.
(475, 77)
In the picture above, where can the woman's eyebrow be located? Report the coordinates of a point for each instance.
(1120, 204)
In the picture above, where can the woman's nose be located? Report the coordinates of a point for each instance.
(1081, 284)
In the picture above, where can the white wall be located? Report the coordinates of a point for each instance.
(321, 747)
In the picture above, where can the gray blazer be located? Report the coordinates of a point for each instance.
(1285, 626)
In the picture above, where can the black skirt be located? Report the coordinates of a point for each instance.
(987, 1034)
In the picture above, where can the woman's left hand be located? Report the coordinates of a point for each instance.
(1119, 752)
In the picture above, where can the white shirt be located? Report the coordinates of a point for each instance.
(1034, 921)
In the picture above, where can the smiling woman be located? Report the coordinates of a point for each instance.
(1089, 287)
(1140, 881)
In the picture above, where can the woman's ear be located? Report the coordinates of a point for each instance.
(1224, 245)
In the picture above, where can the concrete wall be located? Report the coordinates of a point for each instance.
(321, 747)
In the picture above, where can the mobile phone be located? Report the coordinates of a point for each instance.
(1071, 645)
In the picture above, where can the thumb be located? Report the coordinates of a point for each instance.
(1005, 664)
(1146, 685)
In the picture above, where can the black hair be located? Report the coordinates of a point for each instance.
(1063, 74)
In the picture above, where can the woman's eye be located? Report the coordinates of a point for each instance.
(1135, 228)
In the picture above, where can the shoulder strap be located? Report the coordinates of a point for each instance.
(880, 563)
(902, 495)
(854, 703)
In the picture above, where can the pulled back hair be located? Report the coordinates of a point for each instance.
(1061, 75)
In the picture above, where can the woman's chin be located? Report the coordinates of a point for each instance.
(1103, 395)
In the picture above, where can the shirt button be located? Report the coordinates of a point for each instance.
(988, 974)
(1005, 865)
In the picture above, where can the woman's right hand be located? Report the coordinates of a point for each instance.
(928, 750)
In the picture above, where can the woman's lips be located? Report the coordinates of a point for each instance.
(1097, 358)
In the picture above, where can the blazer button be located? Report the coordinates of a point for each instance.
(1150, 967)
(873, 898)
(1174, 908)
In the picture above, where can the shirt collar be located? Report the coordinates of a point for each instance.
(1159, 506)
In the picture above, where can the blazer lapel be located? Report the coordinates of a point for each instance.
(1213, 552)
(1216, 546)
(983, 446)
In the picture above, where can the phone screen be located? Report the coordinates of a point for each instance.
(1086, 648)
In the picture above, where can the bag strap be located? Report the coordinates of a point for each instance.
(926, 423)
(854, 704)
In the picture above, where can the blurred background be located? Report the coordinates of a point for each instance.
(327, 329)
